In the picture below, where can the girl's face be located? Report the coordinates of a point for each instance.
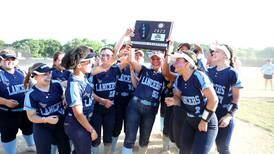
(180, 64)
(43, 79)
(209, 59)
(106, 56)
(156, 62)
(86, 65)
(218, 55)
(58, 61)
(138, 57)
(9, 63)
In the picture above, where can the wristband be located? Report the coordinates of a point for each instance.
(207, 114)
(232, 108)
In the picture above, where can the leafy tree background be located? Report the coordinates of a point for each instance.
(47, 47)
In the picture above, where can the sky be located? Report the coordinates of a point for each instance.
(240, 23)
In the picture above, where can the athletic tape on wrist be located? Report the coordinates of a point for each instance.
(207, 114)
(232, 108)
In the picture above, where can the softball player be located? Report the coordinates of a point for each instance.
(79, 98)
(44, 106)
(58, 72)
(195, 94)
(227, 86)
(143, 106)
(123, 93)
(12, 93)
(104, 89)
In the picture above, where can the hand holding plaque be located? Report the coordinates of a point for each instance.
(151, 34)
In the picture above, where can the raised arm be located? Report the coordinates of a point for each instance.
(134, 78)
(165, 68)
(135, 65)
(119, 44)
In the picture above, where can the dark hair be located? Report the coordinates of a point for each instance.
(72, 58)
(107, 48)
(231, 61)
(55, 57)
(30, 72)
(184, 44)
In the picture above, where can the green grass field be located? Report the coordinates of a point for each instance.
(258, 112)
(257, 104)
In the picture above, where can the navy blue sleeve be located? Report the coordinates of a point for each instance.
(234, 79)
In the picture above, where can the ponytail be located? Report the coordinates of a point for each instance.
(231, 59)
(27, 78)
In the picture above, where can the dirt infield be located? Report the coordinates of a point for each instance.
(247, 138)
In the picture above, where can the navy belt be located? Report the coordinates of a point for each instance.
(144, 102)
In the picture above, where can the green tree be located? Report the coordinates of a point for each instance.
(95, 45)
(28, 46)
(2, 43)
(50, 47)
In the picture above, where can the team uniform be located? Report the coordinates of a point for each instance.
(46, 104)
(175, 122)
(11, 119)
(193, 102)
(143, 107)
(223, 81)
(104, 87)
(123, 94)
(79, 92)
(60, 75)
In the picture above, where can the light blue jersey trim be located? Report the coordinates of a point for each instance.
(203, 80)
(27, 104)
(75, 96)
(175, 84)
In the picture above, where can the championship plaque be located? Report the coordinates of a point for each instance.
(151, 34)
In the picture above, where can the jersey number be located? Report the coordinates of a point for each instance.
(155, 94)
(111, 94)
(197, 110)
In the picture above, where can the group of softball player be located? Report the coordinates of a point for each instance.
(83, 101)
